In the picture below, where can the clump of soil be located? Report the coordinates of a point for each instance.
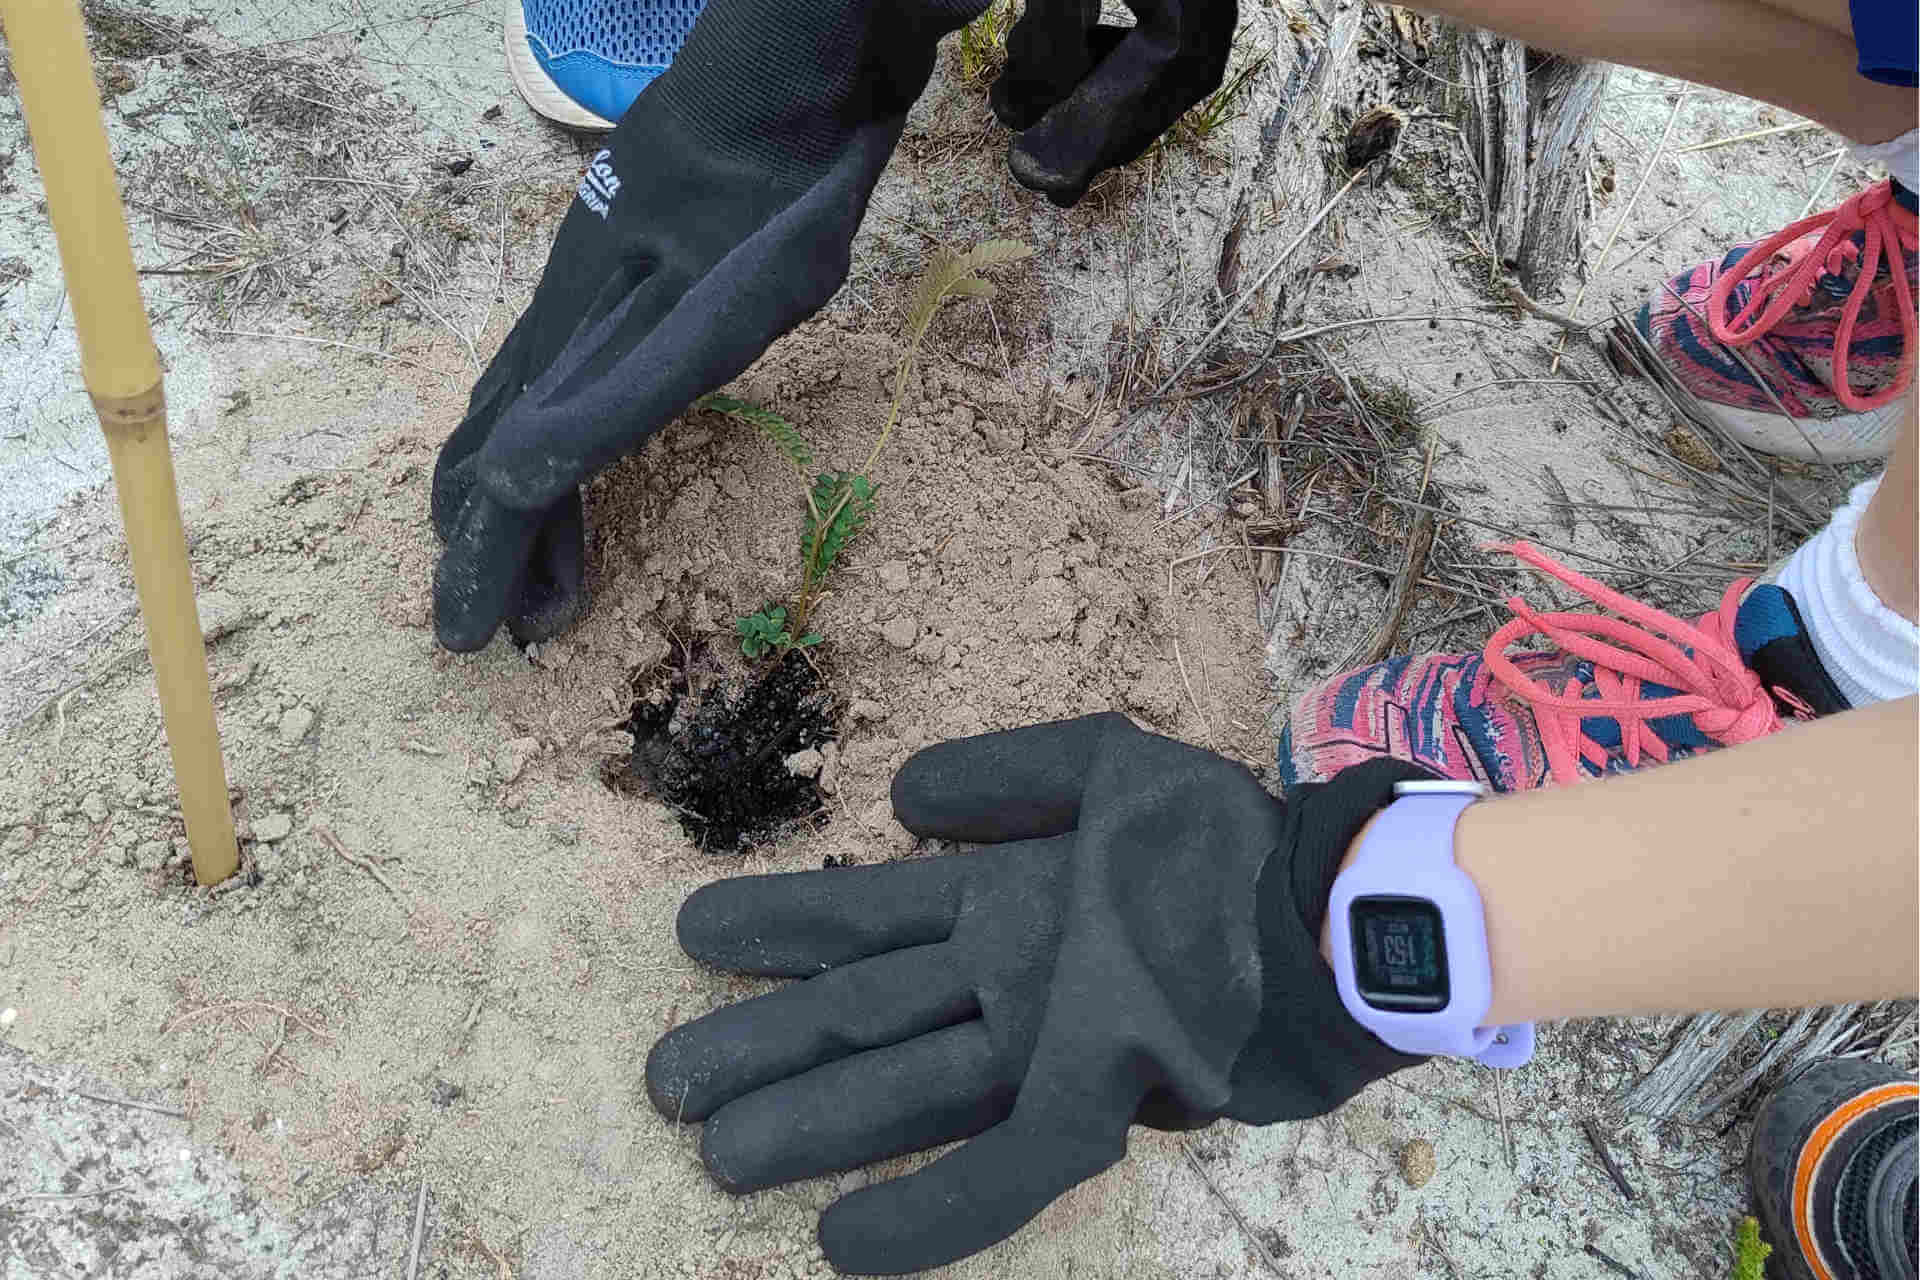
(717, 756)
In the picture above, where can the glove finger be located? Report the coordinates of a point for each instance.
(553, 594)
(1172, 60)
(1014, 785)
(921, 1093)
(798, 924)
(1048, 50)
(1163, 1109)
(695, 1069)
(453, 474)
(453, 470)
(481, 572)
(590, 404)
(968, 1199)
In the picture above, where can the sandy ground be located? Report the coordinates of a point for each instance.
(259, 1081)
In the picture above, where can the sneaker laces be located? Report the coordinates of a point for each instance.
(1724, 696)
(1871, 213)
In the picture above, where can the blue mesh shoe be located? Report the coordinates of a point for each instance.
(583, 62)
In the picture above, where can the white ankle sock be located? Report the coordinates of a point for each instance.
(1871, 652)
(1901, 156)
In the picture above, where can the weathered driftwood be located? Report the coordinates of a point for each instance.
(1528, 118)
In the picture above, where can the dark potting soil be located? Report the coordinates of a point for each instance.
(717, 758)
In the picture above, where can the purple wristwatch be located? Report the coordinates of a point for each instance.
(1409, 936)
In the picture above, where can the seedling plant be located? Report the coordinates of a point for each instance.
(840, 504)
(983, 43)
(1198, 126)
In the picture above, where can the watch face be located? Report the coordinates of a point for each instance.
(1399, 953)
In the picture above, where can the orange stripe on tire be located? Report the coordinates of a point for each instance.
(1816, 1149)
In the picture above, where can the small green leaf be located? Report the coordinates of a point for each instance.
(808, 640)
(1750, 1252)
(785, 436)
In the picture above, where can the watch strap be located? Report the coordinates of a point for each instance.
(1411, 842)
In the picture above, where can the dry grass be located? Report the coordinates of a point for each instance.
(982, 47)
(288, 183)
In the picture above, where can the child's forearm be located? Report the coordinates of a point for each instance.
(1784, 872)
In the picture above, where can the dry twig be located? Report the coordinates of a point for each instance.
(1258, 1244)
(329, 342)
(1400, 602)
(232, 1006)
(1527, 304)
(1206, 725)
(419, 1222)
(129, 1102)
(74, 1195)
(1253, 290)
(332, 842)
(1755, 136)
(1612, 1166)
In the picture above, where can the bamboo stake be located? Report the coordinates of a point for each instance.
(122, 372)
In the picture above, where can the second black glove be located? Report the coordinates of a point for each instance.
(1086, 97)
(1138, 941)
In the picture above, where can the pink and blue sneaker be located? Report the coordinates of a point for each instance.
(1611, 693)
(1822, 309)
(583, 62)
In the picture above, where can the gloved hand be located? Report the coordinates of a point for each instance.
(1086, 97)
(720, 215)
(1138, 942)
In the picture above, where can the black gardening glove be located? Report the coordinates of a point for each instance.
(719, 216)
(1086, 97)
(1138, 942)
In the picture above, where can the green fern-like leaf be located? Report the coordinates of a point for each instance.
(785, 436)
(845, 503)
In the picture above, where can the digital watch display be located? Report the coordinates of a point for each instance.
(1399, 953)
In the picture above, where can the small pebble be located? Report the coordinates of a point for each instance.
(901, 632)
(893, 575)
(8, 1017)
(805, 764)
(296, 724)
(1416, 1162)
(272, 827)
(76, 878)
(94, 807)
(512, 758)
